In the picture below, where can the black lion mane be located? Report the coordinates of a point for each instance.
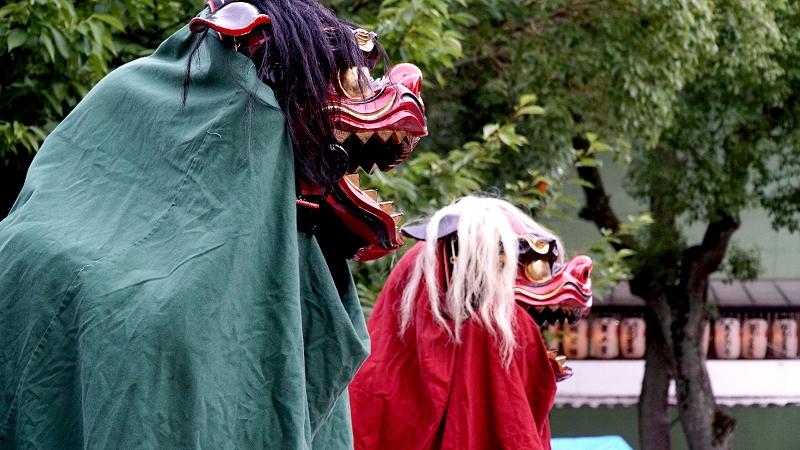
(307, 47)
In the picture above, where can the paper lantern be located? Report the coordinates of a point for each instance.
(575, 340)
(605, 340)
(754, 338)
(706, 337)
(784, 338)
(632, 340)
(727, 340)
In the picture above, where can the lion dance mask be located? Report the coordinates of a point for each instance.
(368, 124)
(174, 272)
(458, 360)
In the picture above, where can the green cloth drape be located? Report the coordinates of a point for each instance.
(154, 289)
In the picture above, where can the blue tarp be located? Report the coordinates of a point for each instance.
(590, 443)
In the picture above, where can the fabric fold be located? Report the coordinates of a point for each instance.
(154, 290)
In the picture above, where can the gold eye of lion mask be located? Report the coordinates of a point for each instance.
(356, 83)
(537, 255)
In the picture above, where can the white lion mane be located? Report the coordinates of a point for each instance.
(487, 228)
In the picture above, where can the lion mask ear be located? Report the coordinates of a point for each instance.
(231, 19)
(448, 225)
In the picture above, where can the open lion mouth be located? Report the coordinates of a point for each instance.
(551, 292)
(555, 314)
(378, 130)
(373, 150)
(562, 295)
(371, 196)
(373, 221)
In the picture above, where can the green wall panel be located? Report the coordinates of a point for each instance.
(757, 428)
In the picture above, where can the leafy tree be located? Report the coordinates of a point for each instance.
(699, 97)
(53, 52)
(733, 145)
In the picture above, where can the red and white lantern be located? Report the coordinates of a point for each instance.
(632, 340)
(575, 340)
(605, 338)
(754, 338)
(727, 338)
(784, 338)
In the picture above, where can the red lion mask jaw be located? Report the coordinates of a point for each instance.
(567, 296)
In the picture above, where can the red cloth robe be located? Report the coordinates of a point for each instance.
(422, 391)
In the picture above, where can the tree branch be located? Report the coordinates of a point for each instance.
(700, 261)
(654, 396)
(598, 203)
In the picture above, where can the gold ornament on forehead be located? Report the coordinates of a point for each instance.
(353, 85)
(365, 39)
(540, 246)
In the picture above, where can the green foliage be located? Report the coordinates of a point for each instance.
(427, 181)
(735, 137)
(423, 31)
(777, 180)
(613, 266)
(741, 264)
(53, 52)
(613, 68)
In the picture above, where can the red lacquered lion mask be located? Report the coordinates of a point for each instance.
(377, 124)
(550, 291)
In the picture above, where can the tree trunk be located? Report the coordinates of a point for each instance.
(654, 398)
(675, 319)
(696, 405)
(706, 426)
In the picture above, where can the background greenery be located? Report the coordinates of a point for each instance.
(697, 100)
